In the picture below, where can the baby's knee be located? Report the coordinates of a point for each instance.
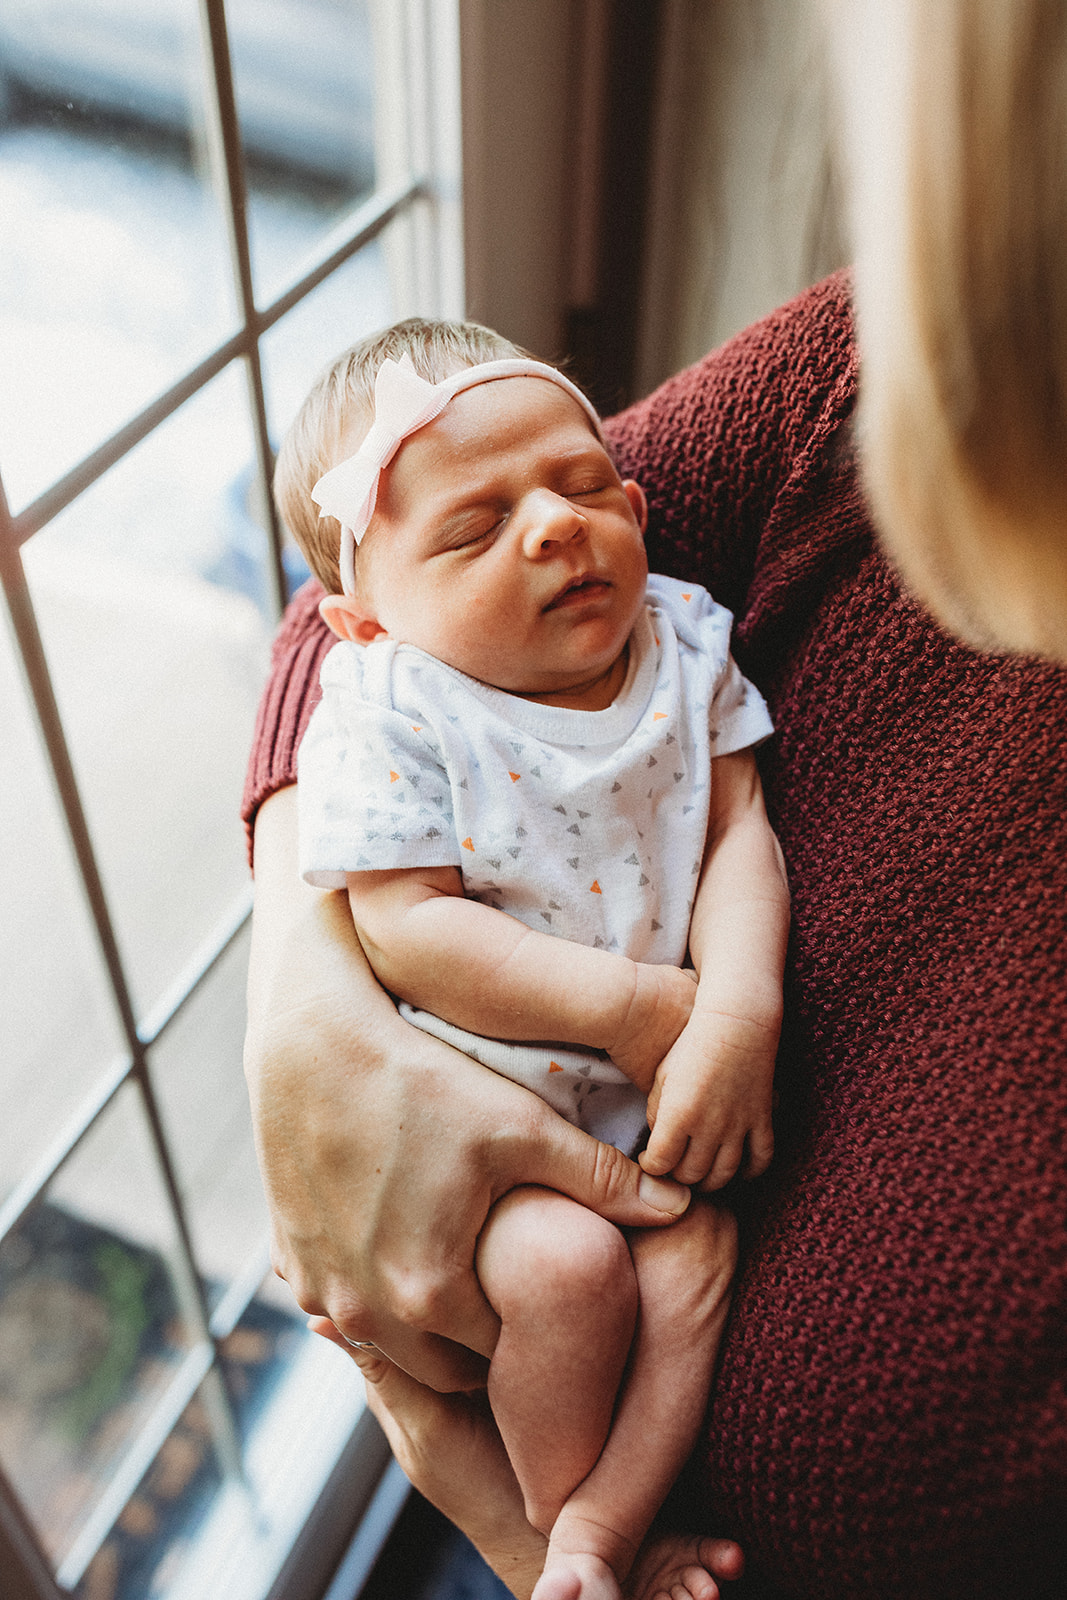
(686, 1271)
(592, 1257)
(538, 1237)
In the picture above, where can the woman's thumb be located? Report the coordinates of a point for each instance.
(600, 1177)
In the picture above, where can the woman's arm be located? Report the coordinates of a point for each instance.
(382, 1149)
(480, 969)
(451, 1450)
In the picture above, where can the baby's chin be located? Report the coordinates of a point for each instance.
(593, 693)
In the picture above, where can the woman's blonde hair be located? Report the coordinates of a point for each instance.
(344, 393)
(956, 132)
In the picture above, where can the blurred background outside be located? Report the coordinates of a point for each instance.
(122, 1431)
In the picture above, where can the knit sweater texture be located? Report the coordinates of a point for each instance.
(889, 1416)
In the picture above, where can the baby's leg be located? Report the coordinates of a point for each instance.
(562, 1282)
(683, 1275)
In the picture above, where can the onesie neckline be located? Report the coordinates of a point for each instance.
(564, 724)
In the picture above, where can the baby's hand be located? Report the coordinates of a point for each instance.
(711, 1095)
(658, 1011)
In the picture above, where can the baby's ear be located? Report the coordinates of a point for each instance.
(638, 504)
(345, 617)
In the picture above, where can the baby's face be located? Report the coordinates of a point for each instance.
(505, 544)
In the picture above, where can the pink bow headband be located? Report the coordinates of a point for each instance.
(404, 403)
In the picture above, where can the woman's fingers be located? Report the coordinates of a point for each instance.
(432, 1435)
(449, 1447)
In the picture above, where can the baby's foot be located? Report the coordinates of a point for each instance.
(576, 1577)
(682, 1567)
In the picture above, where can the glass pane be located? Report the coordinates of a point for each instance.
(157, 670)
(185, 1534)
(90, 1325)
(354, 301)
(58, 1025)
(163, 1515)
(304, 83)
(196, 1068)
(114, 271)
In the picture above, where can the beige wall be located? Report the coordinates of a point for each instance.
(746, 207)
(521, 133)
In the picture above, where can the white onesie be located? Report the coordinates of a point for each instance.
(589, 825)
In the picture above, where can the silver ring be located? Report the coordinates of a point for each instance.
(359, 1344)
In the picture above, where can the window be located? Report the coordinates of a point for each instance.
(199, 204)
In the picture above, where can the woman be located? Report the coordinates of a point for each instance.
(889, 1415)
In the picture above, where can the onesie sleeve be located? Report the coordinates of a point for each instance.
(374, 792)
(737, 713)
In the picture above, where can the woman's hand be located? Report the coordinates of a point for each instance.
(382, 1149)
(450, 1449)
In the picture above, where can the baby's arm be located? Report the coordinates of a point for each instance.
(481, 969)
(713, 1090)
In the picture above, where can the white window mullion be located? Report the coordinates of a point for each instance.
(417, 135)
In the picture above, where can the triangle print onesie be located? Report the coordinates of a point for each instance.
(589, 825)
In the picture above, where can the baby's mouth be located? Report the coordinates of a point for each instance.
(586, 588)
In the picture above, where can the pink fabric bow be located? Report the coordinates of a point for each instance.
(404, 403)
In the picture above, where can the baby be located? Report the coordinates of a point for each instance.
(532, 770)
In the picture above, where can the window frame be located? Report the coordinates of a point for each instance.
(417, 198)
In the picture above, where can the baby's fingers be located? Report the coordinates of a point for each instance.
(721, 1168)
(666, 1148)
(701, 1158)
(760, 1150)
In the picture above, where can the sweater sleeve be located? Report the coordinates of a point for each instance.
(291, 694)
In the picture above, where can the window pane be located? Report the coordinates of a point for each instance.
(90, 1324)
(58, 1026)
(165, 1512)
(196, 1071)
(185, 1534)
(304, 83)
(354, 301)
(114, 274)
(157, 671)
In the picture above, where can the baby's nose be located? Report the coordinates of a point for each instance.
(551, 521)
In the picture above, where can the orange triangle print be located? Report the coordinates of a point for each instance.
(554, 1066)
(658, 716)
(594, 888)
(468, 844)
(514, 776)
(687, 597)
(394, 777)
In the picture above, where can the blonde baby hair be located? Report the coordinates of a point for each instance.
(343, 393)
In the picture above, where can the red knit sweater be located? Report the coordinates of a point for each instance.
(889, 1417)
